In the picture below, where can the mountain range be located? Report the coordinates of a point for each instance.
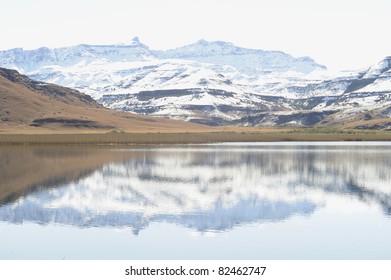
(215, 83)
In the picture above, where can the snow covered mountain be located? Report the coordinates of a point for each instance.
(248, 61)
(217, 53)
(215, 83)
(26, 61)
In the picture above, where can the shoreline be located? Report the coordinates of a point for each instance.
(153, 138)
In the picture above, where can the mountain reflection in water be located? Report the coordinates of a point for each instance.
(205, 188)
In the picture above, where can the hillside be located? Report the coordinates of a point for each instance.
(27, 104)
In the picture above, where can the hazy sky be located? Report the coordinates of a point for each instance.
(339, 34)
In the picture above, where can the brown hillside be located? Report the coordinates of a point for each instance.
(34, 106)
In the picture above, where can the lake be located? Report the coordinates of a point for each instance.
(296, 200)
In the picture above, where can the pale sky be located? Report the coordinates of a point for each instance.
(339, 34)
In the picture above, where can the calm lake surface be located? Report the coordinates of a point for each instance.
(220, 201)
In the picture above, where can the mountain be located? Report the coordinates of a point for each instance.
(360, 100)
(29, 60)
(215, 83)
(28, 103)
(218, 53)
(248, 61)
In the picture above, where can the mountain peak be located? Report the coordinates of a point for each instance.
(206, 43)
(382, 66)
(202, 42)
(386, 62)
(135, 40)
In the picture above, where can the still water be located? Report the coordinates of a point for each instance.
(220, 201)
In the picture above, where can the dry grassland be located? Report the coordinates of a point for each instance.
(212, 136)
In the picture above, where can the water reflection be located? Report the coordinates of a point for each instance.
(205, 188)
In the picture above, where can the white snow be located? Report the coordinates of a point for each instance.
(201, 74)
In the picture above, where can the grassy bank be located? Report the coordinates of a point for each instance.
(256, 135)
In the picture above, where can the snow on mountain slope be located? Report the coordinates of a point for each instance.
(377, 70)
(248, 61)
(215, 83)
(381, 76)
(26, 61)
(177, 89)
(369, 93)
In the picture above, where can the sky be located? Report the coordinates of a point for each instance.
(341, 34)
